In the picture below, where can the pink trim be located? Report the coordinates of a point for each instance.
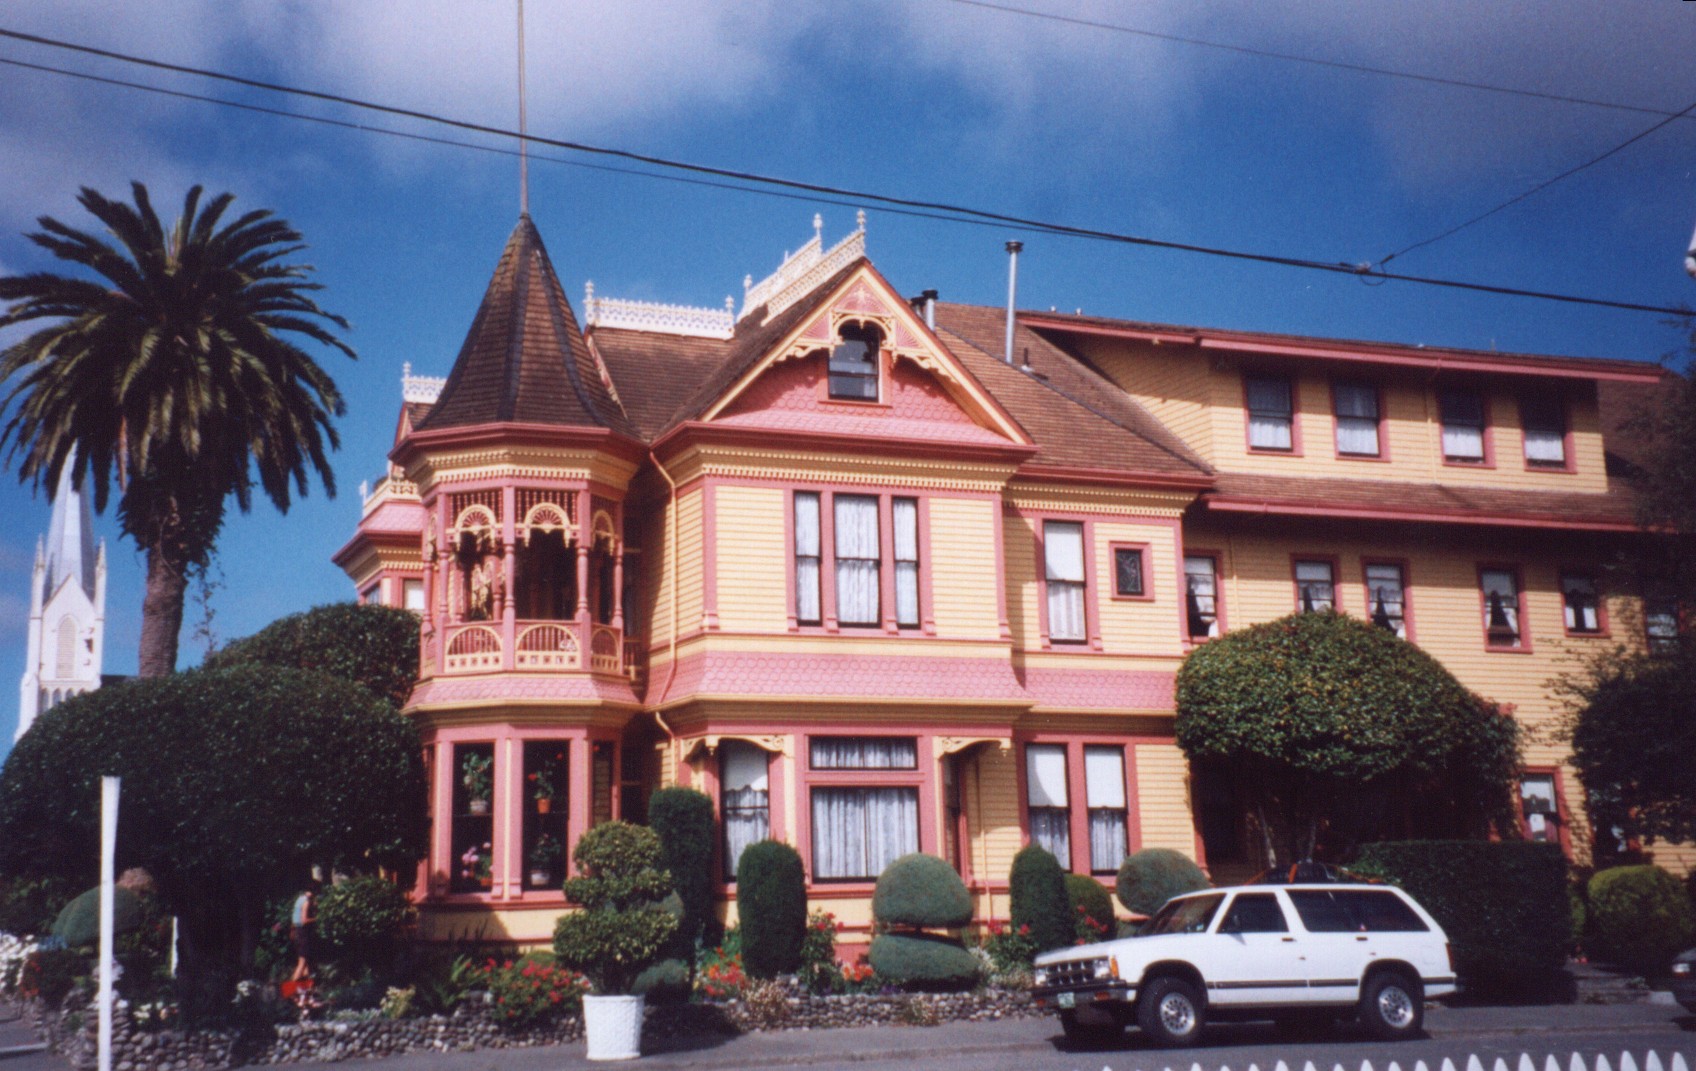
(806, 677)
(1114, 690)
(1603, 629)
(709, 553)
(1383, 453)
(789, 584)
(1142, 550)
(923, 778)
(1403, 565)
(886, 573)
(927, 602)
(1294, 383)
(1569, 463)
(1336, 578)
(1113, 477)
(690, 432)
(1524, 644)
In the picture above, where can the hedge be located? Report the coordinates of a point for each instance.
(1640, 917)
(923, 961)
(921, 891)
(771, 904)
(1038, 892)
(683, 818)
(1503, 904)
(1153, 876)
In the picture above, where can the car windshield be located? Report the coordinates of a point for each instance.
(1190, 915)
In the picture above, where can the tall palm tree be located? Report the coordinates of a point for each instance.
(174, 372)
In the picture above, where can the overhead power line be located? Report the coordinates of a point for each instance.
(961, 213)
(1316, 61)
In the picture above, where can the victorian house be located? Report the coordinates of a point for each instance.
(881, 575)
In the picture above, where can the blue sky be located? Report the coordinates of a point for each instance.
(930, 99)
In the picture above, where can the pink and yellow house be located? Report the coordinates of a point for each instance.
(838, 562)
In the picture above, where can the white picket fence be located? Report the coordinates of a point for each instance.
(1627, 1062)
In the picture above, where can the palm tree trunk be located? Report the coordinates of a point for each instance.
(162, 611)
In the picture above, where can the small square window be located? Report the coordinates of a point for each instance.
(1128, 571)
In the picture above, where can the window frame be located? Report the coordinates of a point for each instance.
(880, 515)
(1523, 646)
(1486, 437)
(1381, 452)
(1091, 640)
(1293, 416)
(1330, 562)
(878, 366)
(1219, 625)
(1662, 646)
(1601, 605)
(1403, 567)
(896, 561)
(1029, 808)
(1143, 551)
(828, 621)
(1563, 830)
(727, 865)
(920, 779)
(1090, 809)
(1560, 404)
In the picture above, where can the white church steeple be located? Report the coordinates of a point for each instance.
(67, 608)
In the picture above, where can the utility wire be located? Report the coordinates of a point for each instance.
(1339, 268)
(1359, 68)
(1541, 186)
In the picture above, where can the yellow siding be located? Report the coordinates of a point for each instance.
(1165, 380)
(691, 546)
(1136, 626)
(1163, 798)
(751, 557)
(1023, 617)
(992, 813)
(962, 567)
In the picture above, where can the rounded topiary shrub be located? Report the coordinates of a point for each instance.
(923, 961)
(1640, 917)
(1092, 908)
(921, 891)
(1153, 876)
(361, 919)
(623, 926)
(78, 923)
(1038, 890)
(771, 906)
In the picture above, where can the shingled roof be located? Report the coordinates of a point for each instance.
(524, 360)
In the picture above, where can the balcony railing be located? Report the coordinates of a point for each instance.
(538, 646)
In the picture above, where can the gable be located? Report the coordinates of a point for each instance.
(923, 390)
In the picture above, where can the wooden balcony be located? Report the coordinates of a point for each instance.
(538, 647)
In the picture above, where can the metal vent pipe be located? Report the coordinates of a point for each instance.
(1012, 293)
(929, 299)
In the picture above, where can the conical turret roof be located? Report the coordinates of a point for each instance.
(525, 360)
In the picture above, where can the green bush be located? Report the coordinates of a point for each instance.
(375, 647)
(1503, 904)
(79, 923)
(684, 820)
(1153, 876)
(923, 961)
(49, 974)
(1640, 917)
(623, 926)
(1092, 908)
(666, 982)
(921, 891)
(771, 905)
(820, 973)
(360, 920)
(28, 906)
(1038, 892)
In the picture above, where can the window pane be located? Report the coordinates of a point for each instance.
(1106, 840)
(905, 517)
(1463, 425)
(1063, 550)
(807, 557)
(744, 801)
(1313, 586)
(864, 753)
(1582, 607)
(1104, 776)
(1322, 911)
(1065, 611)
(859, 831)
(1544, 422)
(1127, 571)
(1201, 610)
(1384, 598)
(1357, 419)
(857, 560)
(412, 595)
(853, 364)
(1380, 912)
(1501, 605)
(1660, 623)
(1269, 413)
(1045, 775)
(1051, 828)
(1254, 913)
(1354, 400)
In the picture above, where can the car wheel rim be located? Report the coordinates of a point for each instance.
(1177, 1014)
(1395, 1006)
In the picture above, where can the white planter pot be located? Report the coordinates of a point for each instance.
(613, 1026)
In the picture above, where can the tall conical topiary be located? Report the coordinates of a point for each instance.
(1038, 887)
(771, 906)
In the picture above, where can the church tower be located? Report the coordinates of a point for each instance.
(67, 609)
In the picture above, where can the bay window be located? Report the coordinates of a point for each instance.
(744, 800)
(856, 560)
(1063, 567)
(1271, 414)
(1357, 419)
(857, 830)
(1580, 603)
(1315, 586)
(1462, 414)
(1502, 610)
(1104, 786)
(1046, 800)
(1386, 597)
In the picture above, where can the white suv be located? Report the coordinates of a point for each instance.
(1284, 952)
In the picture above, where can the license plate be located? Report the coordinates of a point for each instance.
(1067, 1000)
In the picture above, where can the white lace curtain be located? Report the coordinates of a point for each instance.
(1269, 414)
(807, 557)
(863, 753)
(857, 556)
(859, 831)
(1104, 784)
(1463, 425)
(904, 513)
(1357, 419)
(1063, 555)
(1045, 787)
(1501, 600)
(745, 803)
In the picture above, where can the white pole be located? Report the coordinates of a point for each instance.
(108, 889)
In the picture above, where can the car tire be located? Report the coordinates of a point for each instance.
(1392, 1006)
(1090, 1033)
(1170, 1012)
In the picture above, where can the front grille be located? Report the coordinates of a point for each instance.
(1074, 972)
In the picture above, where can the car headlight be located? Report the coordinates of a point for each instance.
(1103, 969)
(1681, 970)
(1040, 976)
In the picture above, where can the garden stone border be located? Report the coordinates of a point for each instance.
(72, 1030)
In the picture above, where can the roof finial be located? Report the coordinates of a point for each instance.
(523, 128)
(818, 227)
(860, 218)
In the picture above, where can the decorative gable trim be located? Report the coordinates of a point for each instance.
(802, 271)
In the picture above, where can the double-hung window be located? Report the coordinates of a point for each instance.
(1543, 419)
(1502, 610)
(840, 567)
(1386, 597)
(1201, 596)
(1581, 603)
(858, 555)
(412, 595)
(853, 364)
(1540, 807)
(1048, 801)
(1315, 586)
(1104, 783)
(905, 517)
(1462, 413)
(860, 829)
(1661, 625)
(744, 800)
(1063, 561)
(1271, 414)
(808, 547)
(1357, 419)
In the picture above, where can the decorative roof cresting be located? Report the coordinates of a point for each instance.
(419, 388)
(803, 270)
(655, 316)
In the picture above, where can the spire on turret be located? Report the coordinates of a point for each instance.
(70, 537)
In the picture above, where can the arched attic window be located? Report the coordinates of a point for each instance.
(854, 363)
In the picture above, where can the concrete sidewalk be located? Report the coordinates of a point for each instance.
(1000, 1043)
